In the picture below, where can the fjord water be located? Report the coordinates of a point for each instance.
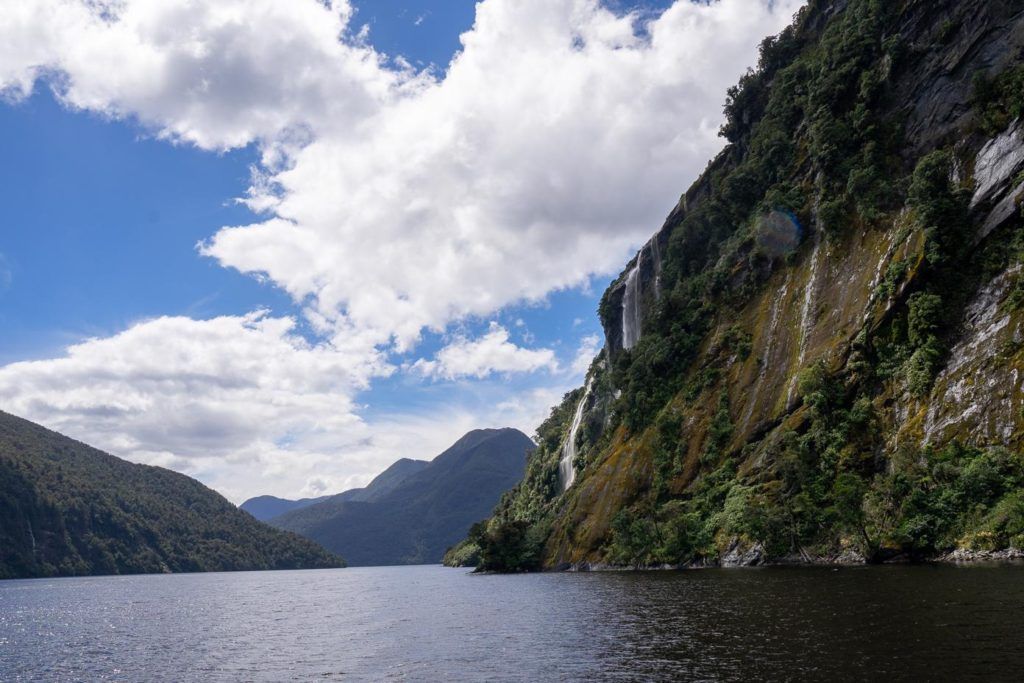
(432, 623)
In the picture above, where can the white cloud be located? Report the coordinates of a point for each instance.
(557, 139)
(589, 346)
(244, 404)
(530, 166)
(238, 398)
(490, 354)
(392, 201)
(216, 74)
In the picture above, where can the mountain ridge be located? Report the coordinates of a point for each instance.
(265, 508)
(416, 520)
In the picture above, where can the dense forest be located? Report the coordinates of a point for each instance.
(831, 335)
(68, 509)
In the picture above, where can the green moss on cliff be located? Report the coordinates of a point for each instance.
(796, 401)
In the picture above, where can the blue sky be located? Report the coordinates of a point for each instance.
(104, 219)
(417, 250)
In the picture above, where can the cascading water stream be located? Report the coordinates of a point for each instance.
(656, 256)
(631, 306)
(807, 318)
(566, 466)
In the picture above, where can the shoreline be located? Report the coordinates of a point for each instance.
(752, 558)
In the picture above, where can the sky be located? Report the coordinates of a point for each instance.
(278, 245)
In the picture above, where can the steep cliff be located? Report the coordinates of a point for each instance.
(820, 355)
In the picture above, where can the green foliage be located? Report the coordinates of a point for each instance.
(465, 553)
(922, 367)
(893, 278)
(999, 100)
(739, 342)
(935, 500)
(681, 531)
(925, 317)
(924, 321)
(637, 538)
(508, 546)
(719, 432)
(69, 509)
(668, 451)
(940, 206)
(914, 347)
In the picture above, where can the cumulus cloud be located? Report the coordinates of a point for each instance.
(490, 354)
(215, 74)
(390, 200)
(557, 138)
(245, 404)
(199, 395)
(589, 346)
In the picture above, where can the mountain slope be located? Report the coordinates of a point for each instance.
(69, 509)
(268, 507)
(386, 481)
(265, 508)
(429, 510)
(819, 355)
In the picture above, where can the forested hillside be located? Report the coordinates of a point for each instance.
(70, 510)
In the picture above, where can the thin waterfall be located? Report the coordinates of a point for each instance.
(656, 256)
(566, 466)
(807, 317)
(631, 306)
(769, 348)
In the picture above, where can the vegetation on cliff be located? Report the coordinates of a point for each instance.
(726, 427)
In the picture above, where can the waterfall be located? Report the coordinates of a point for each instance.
(631, 306)
(807, 318)
(656, 256)
(566, 466)
(31, 536)
(769, 345)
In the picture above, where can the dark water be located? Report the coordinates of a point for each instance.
(430, 623)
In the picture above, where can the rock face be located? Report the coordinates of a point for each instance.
(997, 163)
(739, 556)
(899, 298)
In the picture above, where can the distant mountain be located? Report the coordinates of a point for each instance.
(265, 508)
(268, 507)
(69, 509)
(385, 482)
(414, 520)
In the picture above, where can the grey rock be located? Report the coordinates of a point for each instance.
(997, 163)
